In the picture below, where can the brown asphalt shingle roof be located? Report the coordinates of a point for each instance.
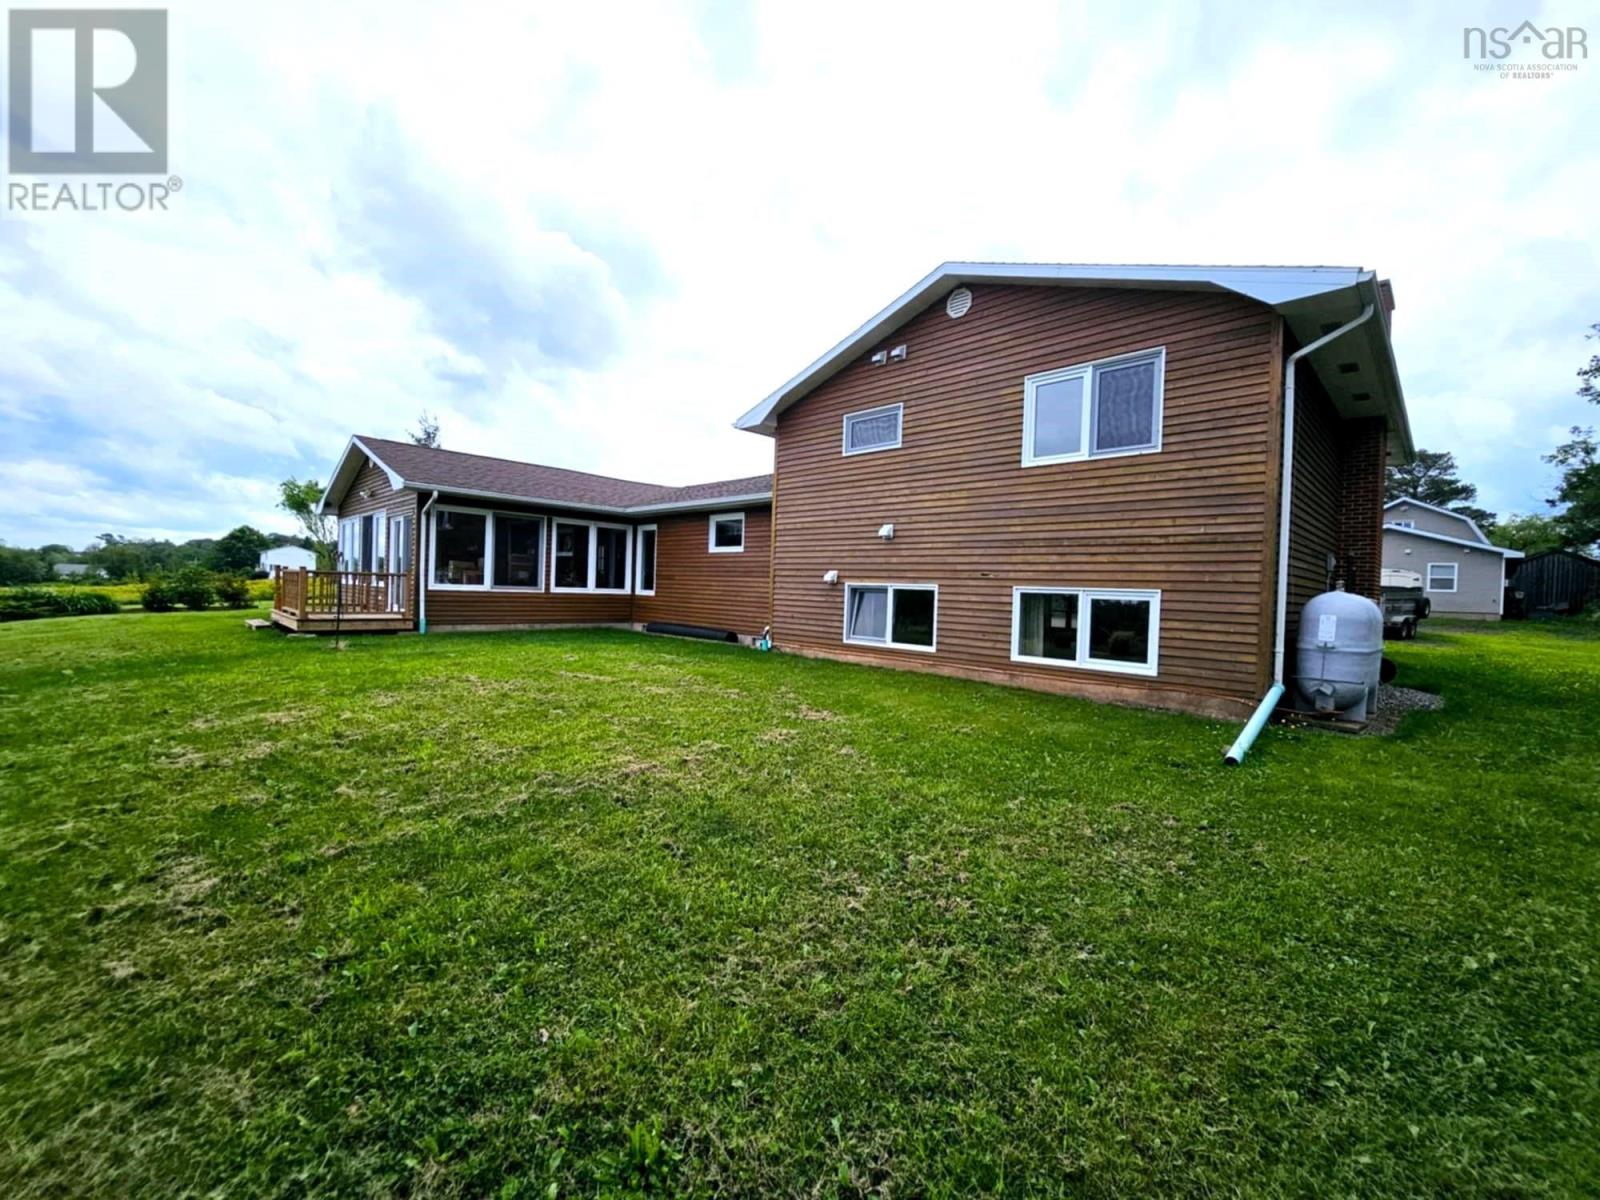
(451, 470)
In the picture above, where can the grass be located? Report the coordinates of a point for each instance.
(585, 913)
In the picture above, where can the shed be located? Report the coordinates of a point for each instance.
(1557, 581)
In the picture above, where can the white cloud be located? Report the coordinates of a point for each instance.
(596, 249)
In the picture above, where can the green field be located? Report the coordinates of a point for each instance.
(587, 913)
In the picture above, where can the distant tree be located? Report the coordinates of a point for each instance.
(1433, 478)
(55, 552)
(298, 498)
(427, 431)
(239, 550)
(18, 566)
(1578, 495)
(1532, 533)
(1589, 375)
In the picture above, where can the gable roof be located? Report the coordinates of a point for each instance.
(1443, 537)
(424, 469)
(1482, 537)
(1312, 300)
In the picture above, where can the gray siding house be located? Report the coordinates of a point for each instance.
(1463, 574)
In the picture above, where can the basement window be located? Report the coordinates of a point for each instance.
(873, 429)
(1094, 410)
(1104, 629)
(900, 616)
(1442, 576)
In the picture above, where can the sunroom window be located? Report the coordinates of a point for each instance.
(1095, 409)
(571, 555)
(644, 571)
(517, 544)
(460, 545)
(903, 616)
(1103, 629)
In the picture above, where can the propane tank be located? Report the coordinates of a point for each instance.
(1339, 654)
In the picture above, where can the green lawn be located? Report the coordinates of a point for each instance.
(589, 913)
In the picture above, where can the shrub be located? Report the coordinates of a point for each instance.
(192, 587)
(233, 591)
(159, 595)
(28, 603)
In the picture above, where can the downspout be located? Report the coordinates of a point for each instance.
(1258, 719)
(422, 582)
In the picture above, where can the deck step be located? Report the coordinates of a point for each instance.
(257, 623)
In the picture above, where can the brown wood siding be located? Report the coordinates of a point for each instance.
(1314, 502)
(381, 496)
(1192, 520)
(696, 587)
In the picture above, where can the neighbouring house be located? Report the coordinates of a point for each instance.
(290, 558)
(1463, 573)
(1559, 582)
(71, 570)
(1116, 482)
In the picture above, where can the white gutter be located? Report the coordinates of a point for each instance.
(422, 580)
(1286, 486)
(710, 504)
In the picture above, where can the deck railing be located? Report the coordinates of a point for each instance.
(303, 593)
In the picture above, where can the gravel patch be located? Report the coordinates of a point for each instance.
(1394, 703)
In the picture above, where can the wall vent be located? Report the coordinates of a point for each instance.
(959, 302)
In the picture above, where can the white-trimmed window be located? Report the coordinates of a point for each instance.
(644, 560)
(1103, 629)
(725, 533)
(1404, 524)
(873, 429)
(1442, 577)
(590, 556)
(362, 541)
(476, 548)
(903, 616)
(1094, 410)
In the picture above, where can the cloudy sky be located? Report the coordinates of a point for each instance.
(592, 235)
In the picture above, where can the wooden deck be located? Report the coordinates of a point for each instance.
(342, 601)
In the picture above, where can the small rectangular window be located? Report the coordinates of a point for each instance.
(902, 616)
(1404, 524)
(1442, 576)
(727, 533)
(1107, 629)
(1092, 410)
(518, 543)
(644, 558)
(874, 429)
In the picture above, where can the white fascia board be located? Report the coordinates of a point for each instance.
(1440, 537)
(611, 510)
(1270, 285)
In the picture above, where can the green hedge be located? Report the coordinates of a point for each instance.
(28, 603)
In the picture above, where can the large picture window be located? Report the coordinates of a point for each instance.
(473, 548)
(590, 556)
(518, 551)
(1093, 410)
(901, 616)
(1105, 629)
(460, 547)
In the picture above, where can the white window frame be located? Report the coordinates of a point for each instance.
(1455, 578)
(594, 546)
(351, 538)
(1087, 372)
(1404, 524)
(888, 624)
(488, 584)
(899, 428)
(711, 533)
(1151, 665)
(638, 557)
